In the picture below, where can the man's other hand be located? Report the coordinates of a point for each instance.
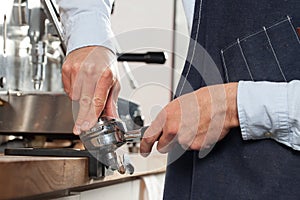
(196, 120)
(89, 78)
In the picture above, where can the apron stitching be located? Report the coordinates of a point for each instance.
(194, 48)
(225, 67)
(241, 40)
(289, 19)
(256, 33)
(244, 58)
(278, 23)
(274, 53)
(189, 68)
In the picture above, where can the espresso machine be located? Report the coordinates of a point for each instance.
(31, 91)
(35, 110)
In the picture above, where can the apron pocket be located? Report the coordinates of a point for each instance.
(271, 54)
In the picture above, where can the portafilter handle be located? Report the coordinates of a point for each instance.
(135, 135)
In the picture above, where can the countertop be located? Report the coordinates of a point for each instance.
(37, 177)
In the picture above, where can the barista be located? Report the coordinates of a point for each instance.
(206, 110)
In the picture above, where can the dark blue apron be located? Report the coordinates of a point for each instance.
(248, 40)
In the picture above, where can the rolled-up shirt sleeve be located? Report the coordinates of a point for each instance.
(270, 110)
(86, 23)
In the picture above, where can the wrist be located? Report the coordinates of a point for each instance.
(231, 104)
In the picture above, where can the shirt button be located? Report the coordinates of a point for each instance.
(268, 134)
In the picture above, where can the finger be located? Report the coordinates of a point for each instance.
(111, 107)
(93, 113)
(90, 119)
(152, 134)
(86, 97)
(171, 128)
(148, 141)
(102, 91)
(166, 142)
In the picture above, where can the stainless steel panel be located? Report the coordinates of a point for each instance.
(43, 112)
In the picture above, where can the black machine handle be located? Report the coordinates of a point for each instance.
(149, 57)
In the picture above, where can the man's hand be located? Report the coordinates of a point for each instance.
(196, 120)
(88, 78)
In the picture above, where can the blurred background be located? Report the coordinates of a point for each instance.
(143, 25)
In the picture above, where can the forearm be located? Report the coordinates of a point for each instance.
(86, 23)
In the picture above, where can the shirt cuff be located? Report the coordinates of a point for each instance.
(263, 111)
(89, 29)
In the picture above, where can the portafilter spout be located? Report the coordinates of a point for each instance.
(37, 30)
(106, 137)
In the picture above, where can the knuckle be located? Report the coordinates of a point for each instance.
(89, 69)
(66, 68)
(85, 101)
(75, 66)
(168, 108)
(107, 74)
(98, 102)
(79, 120)
(171, 128)
(148, 140)
(162, 118)
(69, 68)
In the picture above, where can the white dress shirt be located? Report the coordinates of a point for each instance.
(265, 110)
(86, 23)
(188, 6)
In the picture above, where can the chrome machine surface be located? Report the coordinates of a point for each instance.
(31, 91)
